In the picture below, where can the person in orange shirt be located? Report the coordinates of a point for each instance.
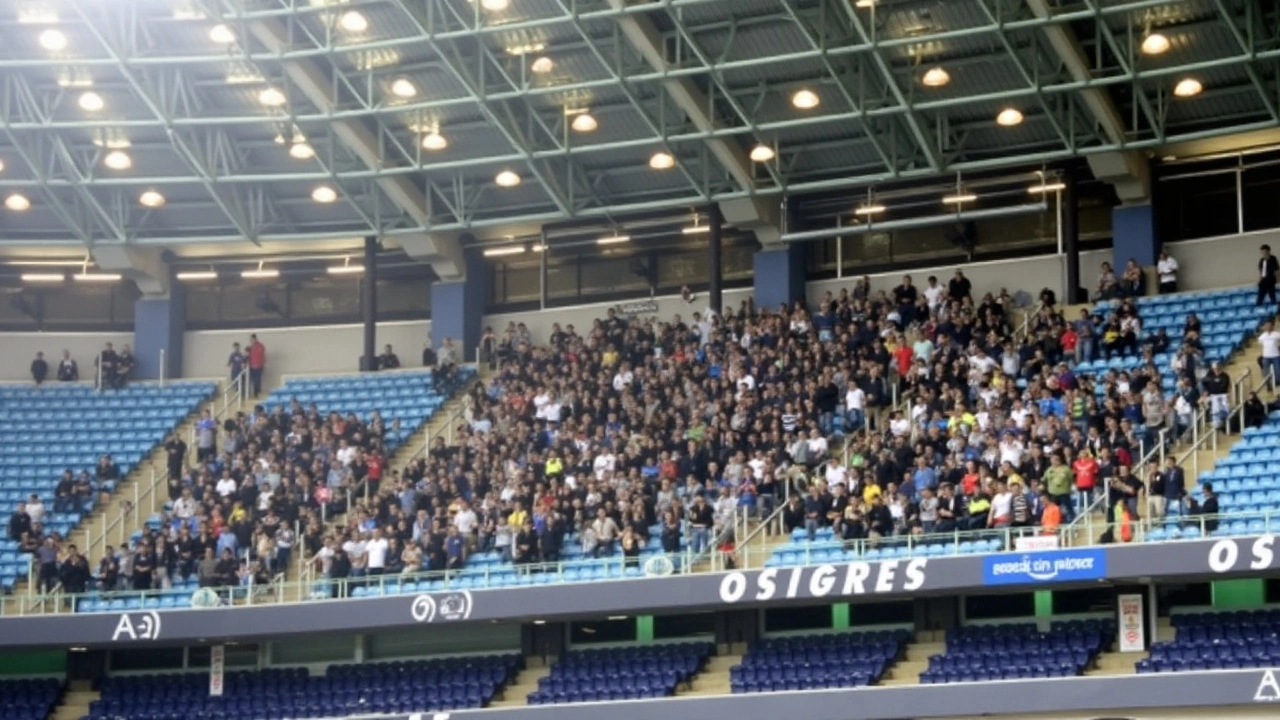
(1050, 515)
(1086, 469)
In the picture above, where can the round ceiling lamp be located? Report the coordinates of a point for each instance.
(118, 160)
(91, 101)
(935, 77)
(301, 151)
(53, 40)
(1188, 87)
(222, 34)
(151, 199)
(17, 202)
(272, 97)
(404, 88)
(324, 194)
(353, 21)
(662, 160)
(1009, 117)
(805, 99)
(1155, 43)
(543, 65)
(507, 179)
(584, 122)
(434, 141)
(762, 153)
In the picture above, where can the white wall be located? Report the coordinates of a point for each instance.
(291, 351)
(1206, 264)
(18, 349)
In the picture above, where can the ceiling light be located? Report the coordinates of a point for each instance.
(1188, 87)
(695, 229)
(434, 141)
(53, 40)
(870, 209)
(260, 274)
(198, 275)
(345, 269)
(495, 5)
(301, 151)
(584, 122)
(526, 48)
(96, 277)
(1047, 187)
(662, 160)
(1154, 44)
(1009, 117)
(864, 4)
(805, 99)
(403, 87)
(935, 77)
(959, 198)
(503, 251)
(151, 199)
(614, 240)
(222, 34)
(543, 65)
(272, 97)
(507, 179)
(324, 194)
(43, 277)
(17, 202)
(762, 153)
(37, 15)
(118, 160)
(353, 21)
(91, 101)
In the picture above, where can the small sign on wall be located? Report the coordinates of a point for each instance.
(217, 669)
(1133, 636)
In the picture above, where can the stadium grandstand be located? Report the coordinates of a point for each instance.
(534, 359)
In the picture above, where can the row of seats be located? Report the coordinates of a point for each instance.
(620, 673)
(1218, 641)
(28, 699)
(827, 549)
(808, 662)
(1019, 651)
(375, 688)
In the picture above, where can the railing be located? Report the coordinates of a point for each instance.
(1205, 428)
(934, 545)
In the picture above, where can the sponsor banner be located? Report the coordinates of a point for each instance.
(217, 669)
(642, 307)
(856, 578)
(1036, 542)
(1050, 566)
(137, 626)
(446, 607)
(1132, 623)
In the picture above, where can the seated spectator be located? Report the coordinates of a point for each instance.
(1133, 283)
(1108, 286)
(388, 360)
(39, 369)
(1167, 269)
(1206, 510)
(68, 371)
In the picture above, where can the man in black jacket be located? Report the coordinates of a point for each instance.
(74, 572)
(1216, 386)
(39, 369)
(1267, 269)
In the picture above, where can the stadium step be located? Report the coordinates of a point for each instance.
(915, 660)
(1116, 663)
(516, 694)
(1165, 631)
(904, 672)
(713, 679)
(75, 703)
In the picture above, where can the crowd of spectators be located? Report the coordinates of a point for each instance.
(640, 427)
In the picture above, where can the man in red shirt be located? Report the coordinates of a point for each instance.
(257, 362)
(1086, 470)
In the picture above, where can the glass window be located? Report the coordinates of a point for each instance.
(1198, 207)
(1261, 197)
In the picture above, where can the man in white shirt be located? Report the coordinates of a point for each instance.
(1167, 269)
(466, 521)
(817, 445)
(855, 407)
(376, 552)
(835, 473)
(185, 506)
(1269, 338)
(934, 293)
(35, 509)
(346, 453)
(226, 485)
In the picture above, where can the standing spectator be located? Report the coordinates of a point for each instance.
(257, 363)
(959, 288)
(106, 365)
(19, 522)
(1269, 338)
(125, 363)
(1216, 386)
(46, 559)
(68, 371)
(206, 438)
(1167, 269)
(74, 572)
(236, 361)
(1267, 269)
(39, 369)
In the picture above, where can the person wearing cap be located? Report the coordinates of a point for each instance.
(1216, 386)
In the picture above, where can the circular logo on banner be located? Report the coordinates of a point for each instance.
(448, 606)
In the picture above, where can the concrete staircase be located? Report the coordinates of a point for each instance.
(713, 679)
(1112, 662)
(516, 694)
(75, 702)
(761, 549)
(915, 659)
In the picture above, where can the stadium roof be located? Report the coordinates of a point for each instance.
(162, 123)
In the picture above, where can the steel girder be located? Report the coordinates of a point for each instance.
(392, 187)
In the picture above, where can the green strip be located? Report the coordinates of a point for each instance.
(840, 616)
(1044, 603)
(1243, 593)
(644, 628)
(36, 662)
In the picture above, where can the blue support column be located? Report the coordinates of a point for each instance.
(1133, 229)
(159, 324)
(779, 276)
(457, 308)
